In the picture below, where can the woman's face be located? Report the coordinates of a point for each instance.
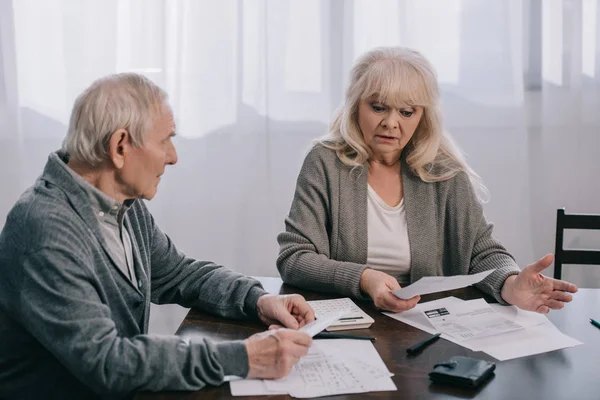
(387, 129)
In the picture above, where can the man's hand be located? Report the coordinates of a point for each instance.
(379, 286)
(272, 354)
(530, 290)
(290, 310)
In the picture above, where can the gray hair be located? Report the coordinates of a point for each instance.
(120, 101)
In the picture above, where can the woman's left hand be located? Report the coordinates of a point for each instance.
(530, 290)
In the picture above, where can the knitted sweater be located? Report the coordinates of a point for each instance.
(324, 246)
(72, 325)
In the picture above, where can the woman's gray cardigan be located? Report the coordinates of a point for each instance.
(324, 246)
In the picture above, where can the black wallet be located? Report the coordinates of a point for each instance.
(462, 371)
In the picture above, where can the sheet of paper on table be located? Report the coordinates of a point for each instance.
(331, 367)
(468, 320)
(538, 335)
(434, 284)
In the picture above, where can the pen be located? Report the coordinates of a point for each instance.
(347, 318)
(595, 323)
(330, 335)
(415, 348)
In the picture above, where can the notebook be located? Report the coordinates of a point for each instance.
(356, 319)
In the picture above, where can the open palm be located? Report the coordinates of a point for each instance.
(530, 290)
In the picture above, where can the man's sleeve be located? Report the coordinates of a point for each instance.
(61, 306)
(177, 279)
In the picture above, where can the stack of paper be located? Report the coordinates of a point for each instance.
(329, 368)
(503, 332)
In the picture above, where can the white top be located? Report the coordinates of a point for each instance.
(388, 248)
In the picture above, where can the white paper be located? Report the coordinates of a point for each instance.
(469, 320)
(250, 387)
(434, 284)
(415, 317)
(538, 336)
(328, 369)
(324, 321)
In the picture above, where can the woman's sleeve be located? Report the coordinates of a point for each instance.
(486, 252)
(304, 248)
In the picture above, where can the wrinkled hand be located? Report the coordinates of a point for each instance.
(379, 286)
(272, 354)
(290, 310)
(532, 291)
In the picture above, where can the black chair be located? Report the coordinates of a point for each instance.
(574, 221)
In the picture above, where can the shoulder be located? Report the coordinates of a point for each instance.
(320, 154)
(459, 183)
(319, 162)
(43, 217)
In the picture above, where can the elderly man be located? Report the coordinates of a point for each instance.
(81, 258)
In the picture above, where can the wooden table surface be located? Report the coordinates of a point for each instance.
(563, 374)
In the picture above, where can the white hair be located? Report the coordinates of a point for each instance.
(127, 101)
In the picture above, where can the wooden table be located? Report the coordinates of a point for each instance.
(563, 374)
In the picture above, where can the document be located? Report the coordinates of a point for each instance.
(331, 367)
(325, 320)
(538, 334)
(468, 320)
(434, 284)
(416, 318)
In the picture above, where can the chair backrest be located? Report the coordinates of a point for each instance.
(573, 221)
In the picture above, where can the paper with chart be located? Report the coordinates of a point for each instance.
(434, 284)
(538, 335)
(331, 367)
(468, 320)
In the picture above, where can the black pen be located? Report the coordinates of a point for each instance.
(330, 335)
(415, 348)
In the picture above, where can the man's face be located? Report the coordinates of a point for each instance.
(144, 165)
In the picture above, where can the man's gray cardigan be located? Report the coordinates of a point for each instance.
(72, 325)
(324, 246)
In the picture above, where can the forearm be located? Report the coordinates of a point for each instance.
(489, 254)
(123, 365)
(209, 287)
(301, 266)
(494, 283)
(191, 283)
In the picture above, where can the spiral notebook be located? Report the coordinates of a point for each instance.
(355, 319)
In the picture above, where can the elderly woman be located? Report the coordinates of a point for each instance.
(387, 198)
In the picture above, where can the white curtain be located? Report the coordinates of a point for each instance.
(252, 82)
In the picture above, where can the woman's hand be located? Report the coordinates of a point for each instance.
(530, 290)
(379, 286)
